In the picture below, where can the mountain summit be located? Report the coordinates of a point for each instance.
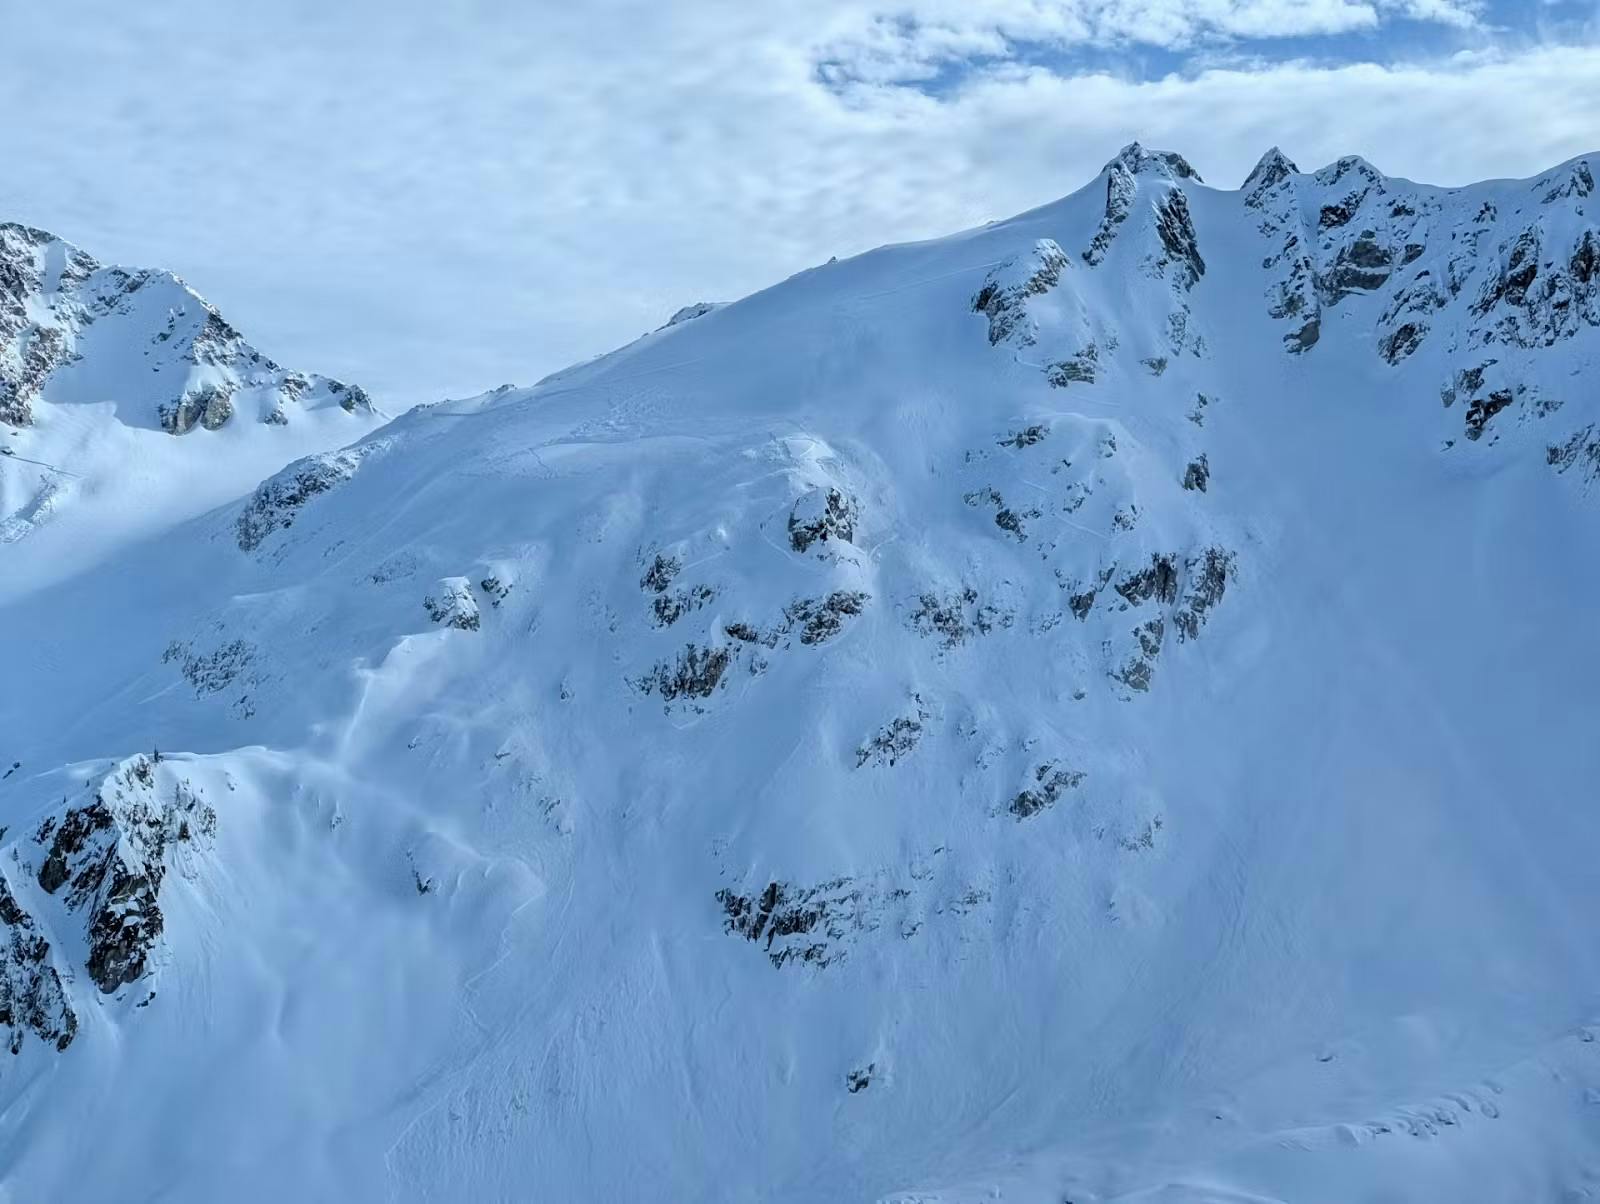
(99, 368)
(1097, 707)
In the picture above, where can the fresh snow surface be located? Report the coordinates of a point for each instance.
(1100, 707)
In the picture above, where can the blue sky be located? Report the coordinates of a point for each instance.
(435, 198)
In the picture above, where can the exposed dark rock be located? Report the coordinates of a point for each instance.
(1121, 189)
(1178, 238)
(1050, 782)
(1272, 169)
(1004, 295)
(1006, 518)
(1137, 159)
(1026, 437)
(1520, 271)
(696, 672)
(1536, 303)
(1143, 840)
(109, 854)
(1360, 267)
(1173, 223)
(38, 349)
(668, 608)
(1467, 380)
(860, 1079)
(1577, 182)
(1338, 214)
(893, 740)
(1305, 338)
(690, 312)
(821, 515)
(1581, 451)
(32, 998)
(957, 617)
(660, 573)
(1205, 581)
(1187, 598)
(1198, 474)
(794, 923)
(41, 350)
(211, 672)
(1076, 369)
(352, 398)
(1367, 180)
(71, 836)
(748, 633)
(1401, 341)
(277, 501)
(1158, 581)
(1139, 669)
(451, 602)
(1585, 262)
(821, 619)
(209, 406)
(217, 342)
(1081, 600)
(1480, 410)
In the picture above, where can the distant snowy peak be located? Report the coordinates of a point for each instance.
(102, 369)
(73, 330)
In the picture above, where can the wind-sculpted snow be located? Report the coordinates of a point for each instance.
(1097, 707)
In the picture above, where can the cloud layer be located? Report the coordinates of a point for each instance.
(434, 199)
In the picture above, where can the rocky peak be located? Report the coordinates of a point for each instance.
(73, 330)
(1136, 160)
(1346, 167)
(1270, 170)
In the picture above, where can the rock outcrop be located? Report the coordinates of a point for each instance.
(107, 857)
(179, 363)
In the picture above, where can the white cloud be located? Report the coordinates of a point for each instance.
(908, 41)
(435, 199)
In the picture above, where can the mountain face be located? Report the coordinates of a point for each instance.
(1098, 707)
(99, 367)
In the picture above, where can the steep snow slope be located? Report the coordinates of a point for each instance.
(1091, 708)
(99, 368)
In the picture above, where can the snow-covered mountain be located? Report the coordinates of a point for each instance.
(1097, 707)
(99, 368)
